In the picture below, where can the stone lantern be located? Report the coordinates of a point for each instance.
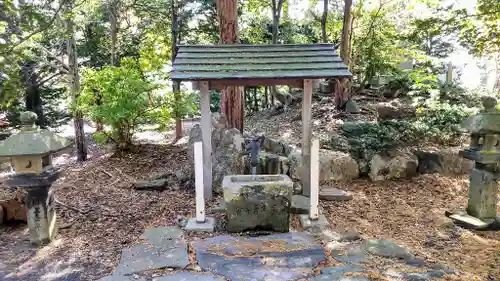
(31, 152)
(484, 129)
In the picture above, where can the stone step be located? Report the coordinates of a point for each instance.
(334, 194)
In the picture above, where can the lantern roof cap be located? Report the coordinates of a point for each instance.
(31, 140)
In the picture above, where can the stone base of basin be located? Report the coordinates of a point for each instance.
(260, 202)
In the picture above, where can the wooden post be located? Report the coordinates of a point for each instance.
(198, 179)
(306, 137)
(314, 199)
(206, 136)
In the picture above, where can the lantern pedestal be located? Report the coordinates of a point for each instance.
(39, 203)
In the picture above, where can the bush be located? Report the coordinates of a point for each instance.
(119, 97)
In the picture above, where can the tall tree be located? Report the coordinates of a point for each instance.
(176, 87)
(232, 98)
(324, 19)
(346, 32)
(341, 93)
(276, 7)
(74, 79)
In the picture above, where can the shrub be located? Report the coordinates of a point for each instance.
(119, 97)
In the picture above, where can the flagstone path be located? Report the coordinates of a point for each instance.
(277, 257)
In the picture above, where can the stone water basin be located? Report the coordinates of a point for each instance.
(260, 202)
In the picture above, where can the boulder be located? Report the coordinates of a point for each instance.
(398, 165)
(337, 166)
(352, 107)
(269, 164)
(258, 202)
(444, 161)
(394, 110)
(227, 145)
(339, 142)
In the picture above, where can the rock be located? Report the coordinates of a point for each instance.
(274, 146)
(269, 164)
(443, 161)
(394, 165)
(227, 145)
(164, 248)
(354, 128)
(325, 100)
(300, 204)
(261, 202)
(349, 236)
(337, 166)
(287, 256)
(334, 194)
(394, 110)
(386, 249)
(339, 142)
(354, 254)
(1, 215)
(294, 160)
(188, 276)
(181, 176)
(297, 188)
(160, 184)
(352, 107)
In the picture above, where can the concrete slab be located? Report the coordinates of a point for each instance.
(207, 226)
(306, 222)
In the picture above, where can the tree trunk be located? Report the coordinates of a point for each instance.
(341, 93)
(74, 80)
(255, 100)
(346, 31)
(113, 21)
(276, 9)
(176, 86)
(324, 19)
(266, 98)
(231, 97)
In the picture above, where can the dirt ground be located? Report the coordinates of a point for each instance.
(99, 213)
(102, 214)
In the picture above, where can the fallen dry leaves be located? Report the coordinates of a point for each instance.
(412, 214)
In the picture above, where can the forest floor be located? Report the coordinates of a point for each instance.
(101, 214)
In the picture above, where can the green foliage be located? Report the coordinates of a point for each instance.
(377, 48)
(214, 101)
(100, 138)
(119, 97)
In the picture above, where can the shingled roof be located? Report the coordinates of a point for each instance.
(257, 64)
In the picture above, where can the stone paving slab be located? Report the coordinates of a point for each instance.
(188, 276)
(164, 248)
(280, 257)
